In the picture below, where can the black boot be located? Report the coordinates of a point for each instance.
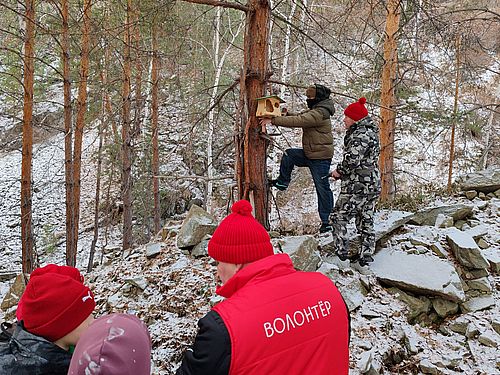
(365, 260)
(343, 257)
(325, 227)
(278, 185)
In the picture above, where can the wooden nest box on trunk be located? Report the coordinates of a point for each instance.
(269, 106)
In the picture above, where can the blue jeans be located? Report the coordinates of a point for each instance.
(295, 157)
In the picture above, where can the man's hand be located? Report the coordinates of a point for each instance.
(335, 174)
(264, 121)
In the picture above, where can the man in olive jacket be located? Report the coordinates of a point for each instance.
(317, 148)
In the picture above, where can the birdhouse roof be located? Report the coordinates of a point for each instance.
(271, 96)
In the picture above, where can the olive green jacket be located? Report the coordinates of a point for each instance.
(317, 137)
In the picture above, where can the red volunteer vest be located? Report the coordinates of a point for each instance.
(284, 322)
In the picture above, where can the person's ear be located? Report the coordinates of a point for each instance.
(239, 267)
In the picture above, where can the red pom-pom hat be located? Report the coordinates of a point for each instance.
(357, 110)
(239, 238)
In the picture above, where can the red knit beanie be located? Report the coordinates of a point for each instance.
(50, 268)
(54, 304)
(240, 238)
(357, 110)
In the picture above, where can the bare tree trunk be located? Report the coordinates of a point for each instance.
(286, 49)
(387, 100)
(80, 124)
(107, 102)
(98, 178)
(155, 69)
(211, 113)
(126, 143)
(68, 132)
(28, 258)
(138, 77)
(484, 157)
(239, 137)
(455, 114)
(219, 60)
(253, 80)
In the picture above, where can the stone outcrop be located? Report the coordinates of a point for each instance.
(485, 181)
(196, 226)
(302, 251)
(428, 216)
(13, 295)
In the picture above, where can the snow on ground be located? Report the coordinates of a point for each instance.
(178, 289)
(48, 200)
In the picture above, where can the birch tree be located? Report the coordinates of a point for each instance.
(250, 146)
(218, 62)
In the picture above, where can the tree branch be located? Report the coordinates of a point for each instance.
(220, 4)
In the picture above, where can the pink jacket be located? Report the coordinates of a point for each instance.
(116, 344)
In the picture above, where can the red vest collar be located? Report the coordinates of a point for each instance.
(268, 267)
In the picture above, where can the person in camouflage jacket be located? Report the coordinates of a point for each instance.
(317, 148)
(360, 183)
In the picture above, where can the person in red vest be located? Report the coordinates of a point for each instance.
(275, 319)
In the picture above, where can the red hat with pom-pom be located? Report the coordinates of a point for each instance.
(240, 238)
(356, 111)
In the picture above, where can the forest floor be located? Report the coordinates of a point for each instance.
(171, 291)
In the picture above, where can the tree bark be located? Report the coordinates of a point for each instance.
(387, 100)
(68, 131)
(126, 188)
(98, 180)
(79, 125)
(254, 78)
(455, 114)
(139, 100)
(28, 259)
(155, 69)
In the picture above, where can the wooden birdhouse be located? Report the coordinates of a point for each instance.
(269, 106)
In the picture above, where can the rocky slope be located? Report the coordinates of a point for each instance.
(428, 304)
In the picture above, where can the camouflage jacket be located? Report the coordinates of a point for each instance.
(359, 167)
(317, 137)
(22, 353)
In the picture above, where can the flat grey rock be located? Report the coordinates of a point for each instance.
(485, 181)
(465, 249)
(478, 303)
(388, 221)
(421, 274)
(493, 257)
(428, 216)
(153, 249)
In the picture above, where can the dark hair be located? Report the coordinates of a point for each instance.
(322, 92)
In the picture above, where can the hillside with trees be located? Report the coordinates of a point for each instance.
(118, 117)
